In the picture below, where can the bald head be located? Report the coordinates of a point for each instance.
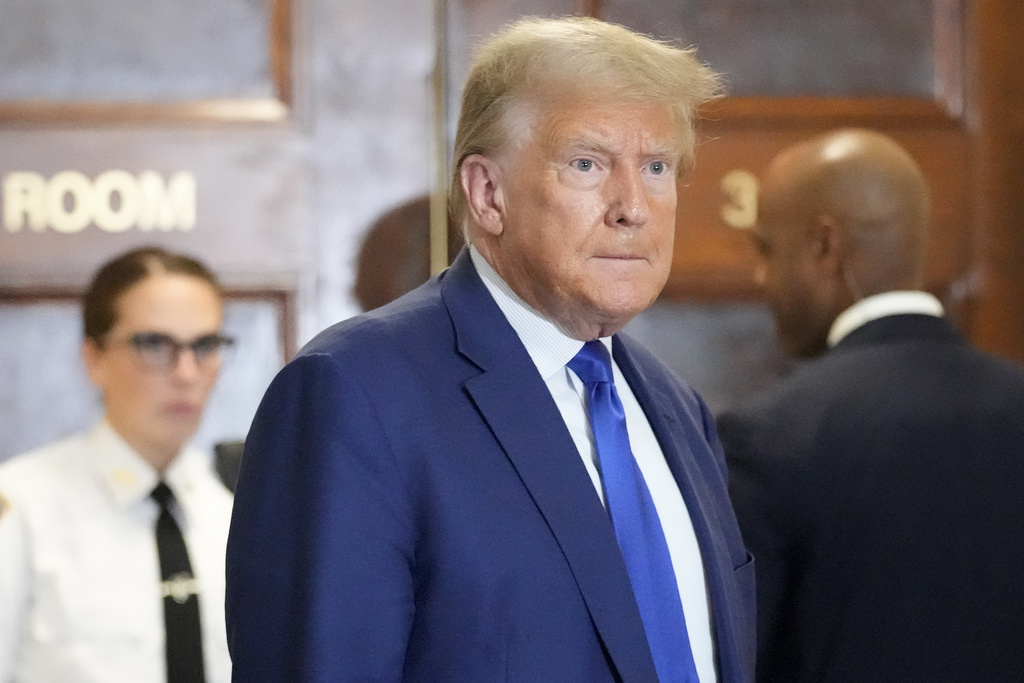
(841, 217)
(874, 193)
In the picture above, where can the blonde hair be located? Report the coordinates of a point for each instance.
(533, 57)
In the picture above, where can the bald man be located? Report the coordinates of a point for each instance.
(879, 488)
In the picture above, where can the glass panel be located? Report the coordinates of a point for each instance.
(134, 50)
(44, 392)
(727, 352)
(799, 47)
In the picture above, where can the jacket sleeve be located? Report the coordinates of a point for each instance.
(320, 552)
(760, 490)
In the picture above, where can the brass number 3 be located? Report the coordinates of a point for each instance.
(740, 209)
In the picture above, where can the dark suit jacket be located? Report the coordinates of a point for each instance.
(412, 507)
(881, 491)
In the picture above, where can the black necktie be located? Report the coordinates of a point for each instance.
(181, 596)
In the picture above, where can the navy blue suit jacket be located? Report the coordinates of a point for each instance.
(411, 507)
(880, 491)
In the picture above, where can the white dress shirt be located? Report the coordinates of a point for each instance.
(79, 572)
(879, 306)
(550, 348)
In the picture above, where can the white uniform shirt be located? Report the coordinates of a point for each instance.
(79, 572)
(550, 349)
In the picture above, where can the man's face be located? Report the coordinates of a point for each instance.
(157, 409)
(589, 199)
(787, 276)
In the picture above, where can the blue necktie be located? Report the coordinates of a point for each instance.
(635, 519)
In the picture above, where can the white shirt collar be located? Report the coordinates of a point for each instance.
(127, 476)
(548, 346)
(880, 306)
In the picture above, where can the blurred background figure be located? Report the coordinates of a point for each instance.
(879, 486)
(112, 541)
(394, 257)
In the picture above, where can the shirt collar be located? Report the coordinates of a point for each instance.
(880, 306)
(126, 475)
(549, 347)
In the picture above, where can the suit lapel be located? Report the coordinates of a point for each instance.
(516, 404)
(682, 444)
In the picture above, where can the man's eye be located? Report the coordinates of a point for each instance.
(583, 165)
(658, 167)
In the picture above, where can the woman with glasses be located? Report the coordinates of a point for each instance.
(112, 541)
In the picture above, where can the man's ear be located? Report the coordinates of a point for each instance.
(481, 182)
(828, 244)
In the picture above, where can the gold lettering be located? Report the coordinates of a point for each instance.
(25, 197)
(115, 202)
(165, 207)
(77, 186)
(125, 186)
(740, 188)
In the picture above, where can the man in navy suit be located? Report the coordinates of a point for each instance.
(420, 497)
(879, 487)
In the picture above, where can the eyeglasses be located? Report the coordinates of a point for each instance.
(159, 351)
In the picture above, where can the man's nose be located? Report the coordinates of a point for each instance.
(629, 204)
